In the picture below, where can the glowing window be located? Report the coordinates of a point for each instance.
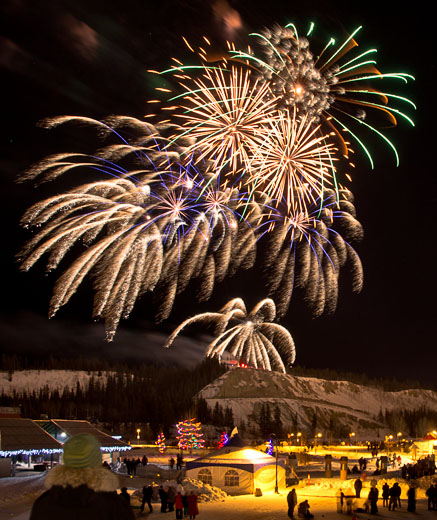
(205, 476)
(232, 478)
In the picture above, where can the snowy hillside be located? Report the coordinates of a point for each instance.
(351, 405)
(34, 380)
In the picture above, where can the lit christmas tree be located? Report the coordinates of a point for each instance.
(189, 435)
(160, 442)
(224, 440)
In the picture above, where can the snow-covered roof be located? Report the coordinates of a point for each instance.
(75, 427)
(23, 436)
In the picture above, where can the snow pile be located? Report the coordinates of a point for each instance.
(152, 471)
(206, 492)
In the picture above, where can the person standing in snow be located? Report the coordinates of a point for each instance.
(411, 495)
(292, 502)
(81, 487)
(193, 509)
(147, 498)
(431, 493)
(358, 485)
(125, 495)
(385, 494)
(373, 499)
(163, 496)
(179, 505)
(398, 493)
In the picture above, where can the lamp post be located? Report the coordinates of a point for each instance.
(274, 437)
(138, 434)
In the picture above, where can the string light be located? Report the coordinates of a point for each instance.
(190, 435)
(224, 440)
(160, 442)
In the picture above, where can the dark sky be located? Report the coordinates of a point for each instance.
(91, 58)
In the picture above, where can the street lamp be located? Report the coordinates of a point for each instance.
(138, 433)
(274, 437)
(299, 434)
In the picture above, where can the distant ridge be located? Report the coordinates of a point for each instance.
(351, 406)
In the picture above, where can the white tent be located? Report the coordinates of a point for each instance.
(238, 470)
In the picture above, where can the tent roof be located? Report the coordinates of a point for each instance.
(429, 437)
(24, 436)
(245, 458)
(76, 427)
(235, 441)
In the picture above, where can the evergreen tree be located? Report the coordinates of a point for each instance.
(277, 423)
(228, 417)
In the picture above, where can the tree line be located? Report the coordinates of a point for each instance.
(147, 396)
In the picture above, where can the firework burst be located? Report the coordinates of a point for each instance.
(308, 249)
(332, 86)
(145, 229)
(252, 152)
(253, 338)
(224, 111)
(292, 163)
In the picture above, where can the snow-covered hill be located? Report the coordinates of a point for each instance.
(348, 406)
(353, 406)
(34, 380)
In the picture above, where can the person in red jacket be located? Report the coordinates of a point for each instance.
(179, 505)
(193, 510)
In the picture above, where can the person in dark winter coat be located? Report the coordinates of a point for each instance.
(393, 502)
(125, 495)
(431, 494)
(373, 499)
(303, 510)
(185, 503)
(358, 486)
(398, 493)
(385, 494)
(81, 487)
(292, 502)
(163, 496)
(411, 495)
(147, 498)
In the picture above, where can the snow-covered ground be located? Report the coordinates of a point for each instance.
(17, 494)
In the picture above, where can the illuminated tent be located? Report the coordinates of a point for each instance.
(237, 469)
(426, 446)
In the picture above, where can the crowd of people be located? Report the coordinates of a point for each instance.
(422, 468)
(85, 487)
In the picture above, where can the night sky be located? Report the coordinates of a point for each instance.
(91, 58)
